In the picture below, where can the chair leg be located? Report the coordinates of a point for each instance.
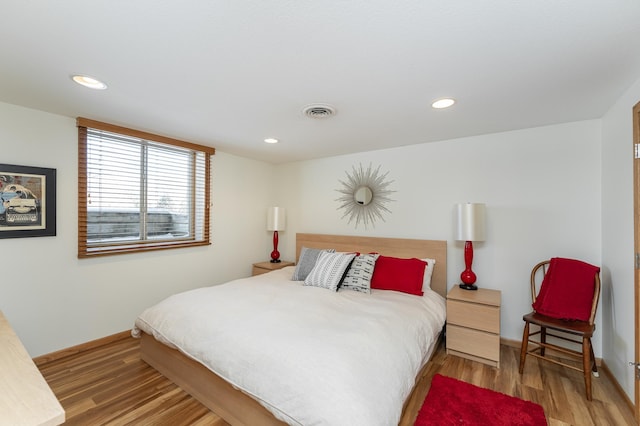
(543, 339)
(586, 364)
(524, 347)
(594, 366)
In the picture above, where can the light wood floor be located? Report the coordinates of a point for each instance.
(110, 385)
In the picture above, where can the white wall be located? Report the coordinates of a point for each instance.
(617, 238)
(541, 187)
(54, 300)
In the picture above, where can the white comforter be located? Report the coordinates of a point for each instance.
(309, 355)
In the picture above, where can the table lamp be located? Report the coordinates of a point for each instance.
(470, 224)
(276, 218)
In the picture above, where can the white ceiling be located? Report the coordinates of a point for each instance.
(230, 73)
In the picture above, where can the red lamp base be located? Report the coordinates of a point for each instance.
(275, 254)
(468, 277)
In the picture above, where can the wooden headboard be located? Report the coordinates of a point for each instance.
(396, 247)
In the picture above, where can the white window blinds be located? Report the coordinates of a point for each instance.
(139, 193)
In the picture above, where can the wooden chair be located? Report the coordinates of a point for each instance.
(583, 329)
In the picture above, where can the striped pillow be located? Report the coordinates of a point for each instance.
(329, 270)
(306, 262)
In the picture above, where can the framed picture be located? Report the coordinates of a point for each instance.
(27, 201)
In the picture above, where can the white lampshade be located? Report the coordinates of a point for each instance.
(276, 219)
(470, 222)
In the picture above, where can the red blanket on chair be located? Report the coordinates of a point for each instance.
(567, 290)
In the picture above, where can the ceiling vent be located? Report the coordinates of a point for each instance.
(319, 111)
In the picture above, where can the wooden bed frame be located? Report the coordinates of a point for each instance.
(236, 407)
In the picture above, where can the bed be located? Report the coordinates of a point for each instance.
(293, 370)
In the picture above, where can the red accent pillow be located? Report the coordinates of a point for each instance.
(567, 290)
(405, 275)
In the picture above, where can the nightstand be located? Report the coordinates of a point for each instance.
(264, 267)
(473, 324)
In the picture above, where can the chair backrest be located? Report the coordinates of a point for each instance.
(537, 276)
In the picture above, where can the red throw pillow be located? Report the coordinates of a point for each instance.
(567, 290)
(405, 275)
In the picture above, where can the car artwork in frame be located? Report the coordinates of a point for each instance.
(27, 201)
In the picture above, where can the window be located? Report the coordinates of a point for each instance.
(138, 191)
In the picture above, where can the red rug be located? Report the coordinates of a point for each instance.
(453, 402)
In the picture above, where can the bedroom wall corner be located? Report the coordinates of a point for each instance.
(54, 300)
(618, 328)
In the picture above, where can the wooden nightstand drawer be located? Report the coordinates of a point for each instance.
(257, 271)
(473, 324)
(480, 317)
(475, 342)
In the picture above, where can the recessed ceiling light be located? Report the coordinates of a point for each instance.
(271, 140)
(89, 82)
(443, 103)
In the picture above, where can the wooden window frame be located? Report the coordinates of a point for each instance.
(142, 246)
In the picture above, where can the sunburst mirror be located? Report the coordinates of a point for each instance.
(364, 195)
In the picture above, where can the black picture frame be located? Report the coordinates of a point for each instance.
(27, 201)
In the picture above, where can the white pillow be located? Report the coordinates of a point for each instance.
(359, 275)
(329, 270)
(428, 271)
